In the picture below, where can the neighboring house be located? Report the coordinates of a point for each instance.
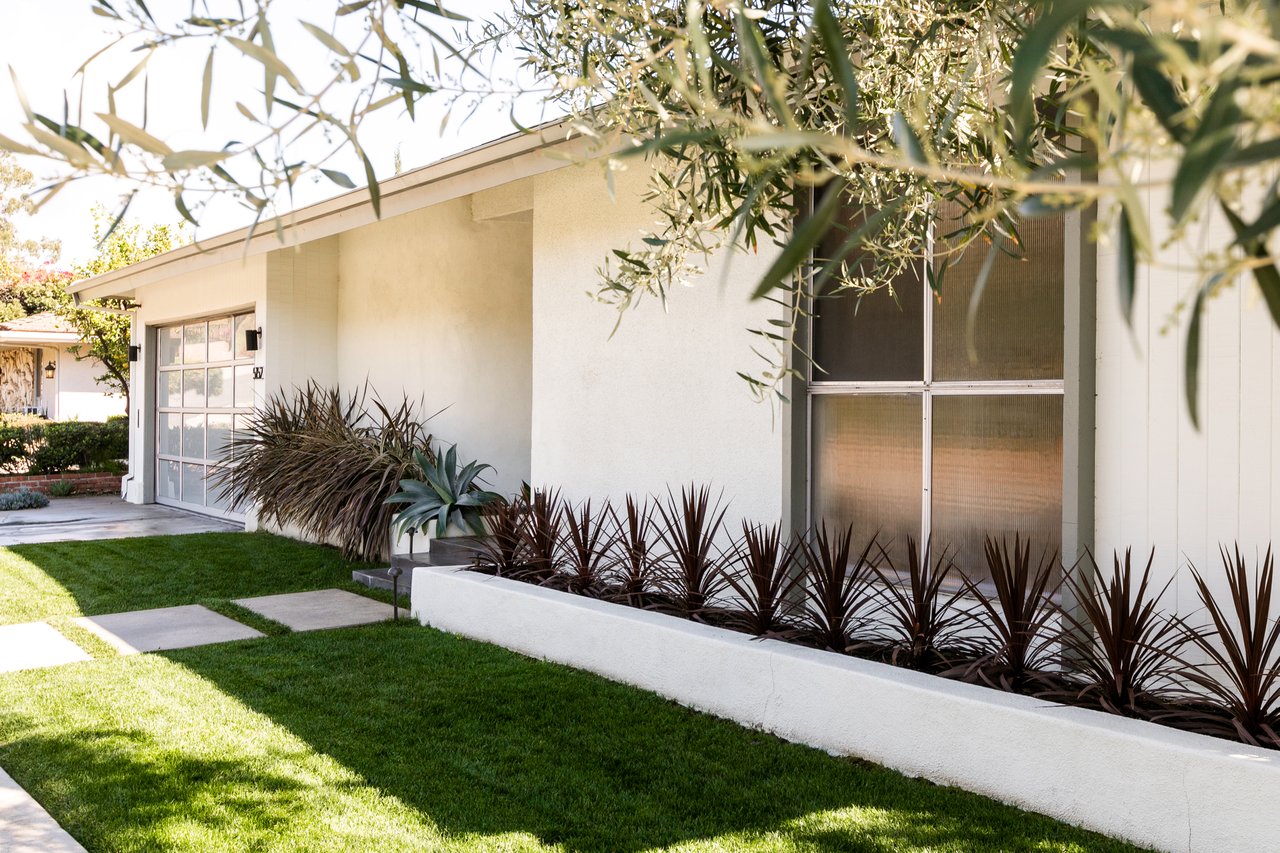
(40, 375)
(472, 293)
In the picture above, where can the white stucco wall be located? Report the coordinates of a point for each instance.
(79, 396)
(660, 403)
(435, 305)
(1160, 481)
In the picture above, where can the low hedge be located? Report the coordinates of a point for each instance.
(47, 447)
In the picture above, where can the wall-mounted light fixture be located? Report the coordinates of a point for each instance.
(134, 350)
(49, 370)
(252, 338)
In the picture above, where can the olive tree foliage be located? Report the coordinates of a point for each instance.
(1158, 114)
(1002, 110)
(306, 115)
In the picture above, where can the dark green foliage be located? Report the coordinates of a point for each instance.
(22, 499)
(326, 463)
(61, 489)
(51, 447)
(445, 494)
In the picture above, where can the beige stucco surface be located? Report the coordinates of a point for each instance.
(660, 402)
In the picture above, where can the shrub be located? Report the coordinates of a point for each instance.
(61, 489)
(22, 499)
(632, 562)
(326, 463)
(688, 531)
(541, 534)
(764, 575)
(924, 613)
(837, 587)
(57, 446)
(587, 545)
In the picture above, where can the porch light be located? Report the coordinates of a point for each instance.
(134, 350)
(252, 338)
(49, 370)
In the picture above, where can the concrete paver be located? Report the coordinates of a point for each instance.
(25, 827)
(166, 628)
(314, 611)
(94, 517)
(34, 645)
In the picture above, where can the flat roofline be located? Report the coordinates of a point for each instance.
(354, 208)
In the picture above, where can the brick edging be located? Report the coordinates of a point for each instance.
(85, 482)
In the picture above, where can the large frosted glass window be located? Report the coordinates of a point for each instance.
(916, 433)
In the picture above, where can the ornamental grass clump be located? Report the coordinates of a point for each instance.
(765, 575)
(632, 554)
(587, 543)
(688, 531)
(924, 617)
(541, 534)
(1242, 645)
(837, 588)
(1118, 642)
(326, 462)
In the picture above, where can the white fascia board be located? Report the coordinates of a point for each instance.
(496, 163)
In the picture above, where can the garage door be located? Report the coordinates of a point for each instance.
(204, 390)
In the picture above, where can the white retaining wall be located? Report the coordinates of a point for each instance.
(1151, 785)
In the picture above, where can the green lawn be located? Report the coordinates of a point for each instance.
(397, 737)
(92, 578)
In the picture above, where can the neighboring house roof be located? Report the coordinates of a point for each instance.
(504, 160)
(43, 328)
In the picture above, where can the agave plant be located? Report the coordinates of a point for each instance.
(1118, 640)
(325, 462)
(1020, 617)
(446, 494)
(633, 565)
(838, 587)
(587, 542)
(689, 529)
(1242, 644)
(765, 576)
(923, 615)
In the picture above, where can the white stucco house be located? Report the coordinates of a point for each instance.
(471, 292)
(40, 375)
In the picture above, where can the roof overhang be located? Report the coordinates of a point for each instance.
(495, 163)
(38, 338)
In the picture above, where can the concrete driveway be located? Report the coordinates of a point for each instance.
(93, 517)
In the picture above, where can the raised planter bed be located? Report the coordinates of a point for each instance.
(86, 483)
(1155, 786)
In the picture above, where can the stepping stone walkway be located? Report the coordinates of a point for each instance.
(315, 611)
(166, 628)
(25, 827)
(35, 645)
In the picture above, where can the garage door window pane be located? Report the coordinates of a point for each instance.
(167, 475)
(171, 345)
(867, 464)
(193, 388)
(194, 344)
(997, 469)
(219, 436)
(244, 387)
(193, 436)
(171, 388)
(220, 339)
(220, 392)
(170, 438)
(193, 484)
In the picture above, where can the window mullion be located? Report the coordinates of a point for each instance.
(926, 425)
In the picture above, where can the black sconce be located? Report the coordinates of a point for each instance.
(252, 337)
(49, 370)
(134, 350)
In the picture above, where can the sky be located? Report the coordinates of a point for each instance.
(46, 67)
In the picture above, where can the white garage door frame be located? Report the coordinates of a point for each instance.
(205, 386)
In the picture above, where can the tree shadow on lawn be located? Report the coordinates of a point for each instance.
(110, 576)
(484, 741)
